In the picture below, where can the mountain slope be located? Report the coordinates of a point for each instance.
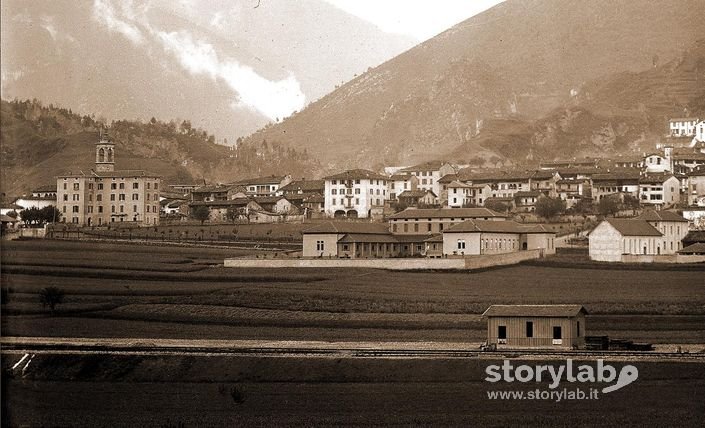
(38, 142)
(520, 59)
(226, 66)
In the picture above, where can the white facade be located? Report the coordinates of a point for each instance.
(700, 131)
(684, 126)
(656, 163)
(355, 196)
(607, 244)
(659, 194)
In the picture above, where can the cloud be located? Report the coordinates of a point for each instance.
(105, 13)
(274, 99)
(48, 24)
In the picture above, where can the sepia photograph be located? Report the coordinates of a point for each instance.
(359, 213)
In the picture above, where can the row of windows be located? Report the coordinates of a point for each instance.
(350, 182)
(113, 186)
(357, 201)
(76, 208)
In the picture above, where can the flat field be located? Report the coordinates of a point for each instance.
(100, 390)
(151, 291)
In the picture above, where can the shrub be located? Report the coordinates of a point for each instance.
(51, 296)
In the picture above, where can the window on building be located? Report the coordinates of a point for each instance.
(100, 208)
(76, 186)
(75, 208)
(100, 186)
(334, 192)
(502, 332)
(135, 197)
(65, 186)
(66, 197)
(578, 329)
(320, 245)
(113, 186)
(529, 329)
(135, 185)
(416, 227)
(122, 197)
(461, 244)
(134, 208)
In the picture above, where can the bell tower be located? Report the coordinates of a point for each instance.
(104, 154)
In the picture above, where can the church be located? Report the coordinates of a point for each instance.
(105, 196)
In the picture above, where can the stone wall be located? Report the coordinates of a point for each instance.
(456, 263)
(665, 258)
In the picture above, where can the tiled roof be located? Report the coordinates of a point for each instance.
(45, 188)
(400, 177)
(115, 174)
(446, 213)
(231, 202)
(617, 175)
(357, 174)
(529, 194)
(426, 166)
(655, 178)
(268, 199)
(695, 236)
(458, 184)
(697, 248)
(435, 238)
(665, 215)
(348, 227)
(534, 311)
(414, 193)
(633, 227)
(218, 188)
(304, 186)
(272, 179)
(368, 237)
(490, 226)
(448, 178)
(697, 172)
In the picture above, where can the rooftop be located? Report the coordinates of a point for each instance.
(342, 227)
(651, 215)
(272, 179)
(304, 186)
(697, 248)
(426, 166)
(534, 311)
(446, 213)
(415, 193)
(490, 226)
(357, 174)
(633, 227)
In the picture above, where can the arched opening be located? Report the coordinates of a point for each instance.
(101, 155)
(339, 214)
(110, 155)
(524, 246)
(89, 221)
(352, 214)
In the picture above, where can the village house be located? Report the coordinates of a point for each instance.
(465, 195)
(536, 326)
(620, 183)
(304, 187)
(105, 195)
(276, 204)
(399, 183)
(696, 188)
(228, 210)
(659, 190)
(628, 162)
(477, 237)
(659, 163)
(574, 163)
(687, 160)
(700, 132)
(264, 186)
(415, 221)
(682, 126)
(565, 189)
(357, 193)
(416, 198)
(526, 201)
(218, 192)
(428, 174)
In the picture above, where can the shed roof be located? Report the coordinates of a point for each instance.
(534, 311)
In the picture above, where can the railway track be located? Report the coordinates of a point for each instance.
(333, 351)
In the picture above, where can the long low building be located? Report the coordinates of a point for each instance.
(472, 237)
(359, 240)
(414, 221)
(477, 237)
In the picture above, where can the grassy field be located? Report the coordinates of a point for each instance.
(130, 290)
(69, 390)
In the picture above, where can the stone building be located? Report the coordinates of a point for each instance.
(105, 195)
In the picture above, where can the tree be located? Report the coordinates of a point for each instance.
(498, 206)
(51, 296)
(201, 213)
(50, 214)
(608, 206)
(548, 207)
(234, 213)
(631, 201)
(30, 216)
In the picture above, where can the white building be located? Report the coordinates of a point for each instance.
(429, 173)
(672, 226)
(700, 131)
(682, 126)
(357, 193)
(400, 183)
(656, 162)
(659, 190)
(616, 237)
(476, 237)
(696, 188)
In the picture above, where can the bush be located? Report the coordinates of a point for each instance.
(51, 296)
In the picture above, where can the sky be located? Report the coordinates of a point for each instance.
(420, 19)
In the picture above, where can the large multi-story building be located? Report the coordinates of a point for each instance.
(682, 126)
(356, 193)
(105, 195)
